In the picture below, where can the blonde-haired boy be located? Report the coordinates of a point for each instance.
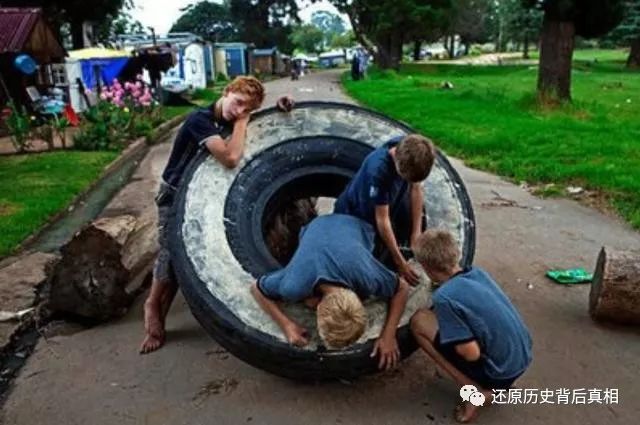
(332, 269)
(474, 332)
(220, 129)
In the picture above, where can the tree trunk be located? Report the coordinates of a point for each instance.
(634, 55)
(389, 52)
(452, 47)
(556, 51)
(417, 45)
(103, 267)
(615, 290)
(360, 33)
(525, 53)
(500, 38)
(77, 35)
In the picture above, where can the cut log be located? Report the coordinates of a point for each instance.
(615, 290)
(93, 279)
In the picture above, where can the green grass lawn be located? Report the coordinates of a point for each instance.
(601, 55)
(36, 186)
(169, 112)
(201, 97)
(491, 120)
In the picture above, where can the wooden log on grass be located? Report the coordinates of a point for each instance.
(103, 267)
(615, 289)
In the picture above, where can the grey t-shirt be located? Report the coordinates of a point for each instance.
(334, 248)
(471, 305)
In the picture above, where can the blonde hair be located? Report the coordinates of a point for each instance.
(415, 156)
(341, 318)
(249, 86)
(437, 249)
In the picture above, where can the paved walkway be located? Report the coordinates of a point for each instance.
(96, 376)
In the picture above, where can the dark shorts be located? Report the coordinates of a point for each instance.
(472, 370)
(162, 269)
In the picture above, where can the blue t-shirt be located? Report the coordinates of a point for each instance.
(377, 182)
(471, 305)
(336, 249)
(199, 125)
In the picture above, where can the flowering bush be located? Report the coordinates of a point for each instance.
(124, 112)
(105, 127)
(132, 95)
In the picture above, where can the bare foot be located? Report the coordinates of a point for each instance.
(153, 327)
(466, 412)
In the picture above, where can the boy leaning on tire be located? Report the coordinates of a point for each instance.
(220, 129)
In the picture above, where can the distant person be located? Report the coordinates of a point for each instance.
(363, 63)
(295, 69)
(355, 66)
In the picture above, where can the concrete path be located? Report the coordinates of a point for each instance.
(96, 376)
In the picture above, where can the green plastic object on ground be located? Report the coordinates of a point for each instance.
(570, 276)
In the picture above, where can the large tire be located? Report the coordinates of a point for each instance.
(217, 242)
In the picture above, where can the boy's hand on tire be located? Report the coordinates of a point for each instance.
(409, 274)
(285, 103)
(296, 335)
(387, 348)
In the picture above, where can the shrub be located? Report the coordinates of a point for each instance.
(125, 112)
(18, 123)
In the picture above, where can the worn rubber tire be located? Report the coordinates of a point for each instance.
(247, 193)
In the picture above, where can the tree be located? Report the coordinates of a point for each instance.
(628, 32)
(74, 13)
(382, 26)
(468, 19)
(432, 31)
(308, 38)
(211, 21)
(330, 24)
(511, 21)
(341, 41)
(524, 25)
(123, 23)
(265, 23)
(563, 20)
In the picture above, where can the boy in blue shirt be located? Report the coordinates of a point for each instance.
(219, 129)
(474, 332)
(388, 178)
(333, 269)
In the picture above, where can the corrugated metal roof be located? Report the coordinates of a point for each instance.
(16, 24)
(264, 52)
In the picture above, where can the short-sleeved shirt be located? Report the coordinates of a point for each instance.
(471, 306)
(335, 249)
(199, 125)
(377, 182)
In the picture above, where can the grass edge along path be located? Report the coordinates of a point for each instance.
(35, 187)
(490, 119)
